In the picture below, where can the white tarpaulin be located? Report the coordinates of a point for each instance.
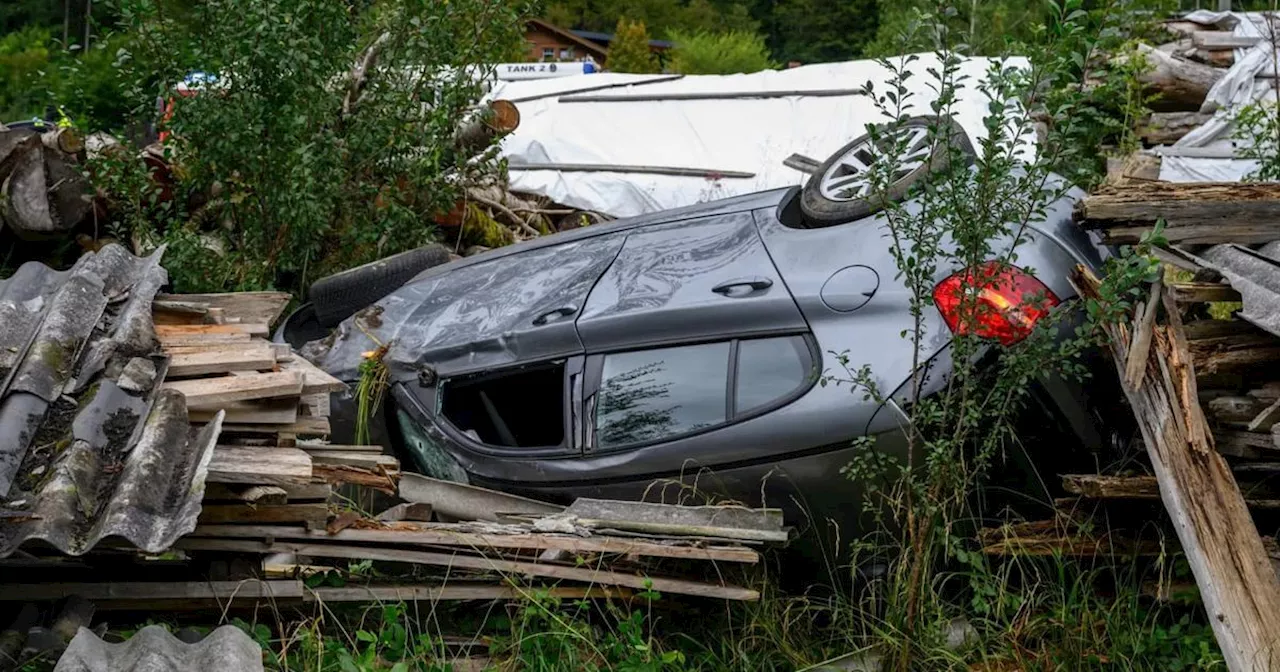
(751, 135)
(1205, 154)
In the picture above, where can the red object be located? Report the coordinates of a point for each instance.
(998, 301)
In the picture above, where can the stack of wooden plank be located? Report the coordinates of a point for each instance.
(1200, 366)
(270, 465)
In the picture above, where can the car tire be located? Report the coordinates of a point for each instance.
(340, 295)
(821, 209)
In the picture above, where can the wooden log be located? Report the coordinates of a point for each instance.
(270, 466)
(248, 307)
(1095, 486)
(1239, 587)
(429, 534)
(587, 575)
(1136, 166)
(1206, 212)
(1182, 85)
(1202, 292)
(1236, 361)
(1166, 128)
(312, 514)
(1221, 40)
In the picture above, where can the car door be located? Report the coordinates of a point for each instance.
(692, 280)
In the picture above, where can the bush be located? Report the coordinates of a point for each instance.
(24, 55)
(705, 53)
(299, 161)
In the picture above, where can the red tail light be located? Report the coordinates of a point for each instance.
(1008, 303)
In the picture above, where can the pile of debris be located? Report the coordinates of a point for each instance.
(1198, 364)
(162, 454)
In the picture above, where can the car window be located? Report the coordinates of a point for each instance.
(770, 369)
(653, 394)
(517, 408)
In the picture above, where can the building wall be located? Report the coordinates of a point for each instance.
(544, 46)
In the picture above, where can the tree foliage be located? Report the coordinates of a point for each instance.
(629, 51)
(295, 163)
(718, 53)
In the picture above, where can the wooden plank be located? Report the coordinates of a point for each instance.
(294, 492)
(1204, 212)
(251, 328)
(1266, 418)
(1203, 292)
(316, 405)
(587, 575)
(1239, 587)
(411, 593)
(340, 474)
(731, 522)
(372, 461)
(268, 466)
(261, 307)
(148, 590)
(219, 360)
(202, 340)
(210, 392)
(437, 534)
(281, 411)
(1141, 345)
(315, 445)
(314, 514)
(305, 426)
(316, 381)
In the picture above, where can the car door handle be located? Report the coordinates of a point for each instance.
(553, 315)
(754, 284)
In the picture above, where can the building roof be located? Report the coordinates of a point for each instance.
(90, 446)
(570, 36)
(606, 38)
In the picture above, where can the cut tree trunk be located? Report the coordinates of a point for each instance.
(1166, 128)
(42, 194)
(1182, 84)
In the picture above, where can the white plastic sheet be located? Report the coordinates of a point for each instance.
(750, 134)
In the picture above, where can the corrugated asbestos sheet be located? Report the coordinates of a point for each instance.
(90, 447)
(153, 649)
(1253, 273)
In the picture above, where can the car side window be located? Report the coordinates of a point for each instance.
(648, 395)
(770, 370)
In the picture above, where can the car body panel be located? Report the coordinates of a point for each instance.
(664, 283)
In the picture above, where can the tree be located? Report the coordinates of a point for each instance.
(815, 31)
(706, 53)
(328, 137)
(629, 51)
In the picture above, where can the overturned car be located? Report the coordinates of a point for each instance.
(678, 354)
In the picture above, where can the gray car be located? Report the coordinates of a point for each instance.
(678, 355)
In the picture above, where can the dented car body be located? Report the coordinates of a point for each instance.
(674, 355)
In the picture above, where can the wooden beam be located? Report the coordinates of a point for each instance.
(211, 392)
(313, 514)
(1205, 212)
(428, 534)
(250, 328)
(372, 461)
(586, 575)
(1203, 292)
(218, 360)
(1237, 583)
(1095, 486)
(1220, 40)
(266, 466)
(315, 381)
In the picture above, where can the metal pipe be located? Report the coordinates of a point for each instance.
(619, 168)
(716, 95)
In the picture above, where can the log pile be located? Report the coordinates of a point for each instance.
(42, 191)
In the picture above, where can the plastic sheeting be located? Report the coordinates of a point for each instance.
(745, 134)
(1250, 79)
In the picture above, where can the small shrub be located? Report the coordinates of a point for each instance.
(629, 51)
(706, 53)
